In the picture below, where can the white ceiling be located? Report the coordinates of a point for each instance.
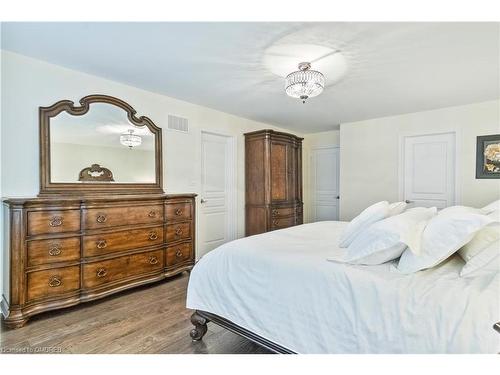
(372, 69)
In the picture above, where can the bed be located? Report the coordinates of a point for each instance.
(279, 290)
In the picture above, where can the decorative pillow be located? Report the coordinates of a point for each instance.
(493, 206)
(370, 215)
(397, 208)
(386, 240)
(443, 235)
(483, 250)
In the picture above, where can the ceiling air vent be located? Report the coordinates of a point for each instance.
(178, 123)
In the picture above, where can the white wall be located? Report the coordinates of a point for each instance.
(369, 154)
(312, 141)
(127, 165)
(29, 83)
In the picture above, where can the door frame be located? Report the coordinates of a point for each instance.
(312, 213)
(401, 155)
(231, 185)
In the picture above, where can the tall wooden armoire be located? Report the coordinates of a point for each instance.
(273, 179)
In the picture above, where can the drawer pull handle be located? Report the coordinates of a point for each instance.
(178, 212)
(153, 260)
(275, 213)
(101, 272)
(101, 244)
(55, 281)
(178, 231)
(56, 221)
(153, 236)
(55, 250)
(178, 253)
(276, 222)
(152, 213)
(101, 218)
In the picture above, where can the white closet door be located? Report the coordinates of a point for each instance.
(215, 215)
(325, 183)
(429, 170)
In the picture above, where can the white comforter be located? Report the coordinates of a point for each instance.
(280, 286)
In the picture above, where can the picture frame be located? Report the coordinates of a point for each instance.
(488, 156)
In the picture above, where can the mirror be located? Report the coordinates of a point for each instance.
(103, 137)
(101, 143)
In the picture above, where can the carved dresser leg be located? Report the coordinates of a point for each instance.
(14, 324)
(200, 326)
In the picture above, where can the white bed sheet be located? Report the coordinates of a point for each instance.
(280, 286)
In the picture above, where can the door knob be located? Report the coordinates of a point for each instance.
(337, 197)
(408, 201)
(203, 200)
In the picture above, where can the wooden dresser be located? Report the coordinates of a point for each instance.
(273, 179)
(101, 222)
(69, 250)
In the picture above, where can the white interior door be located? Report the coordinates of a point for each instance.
(429, 170)
(325, 183)
(216, 213)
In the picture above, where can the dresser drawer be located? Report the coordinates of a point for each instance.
(145, 214)
(283, 211)
(180, 231)
(95, 218)
(179, 253)
(57, 221)
(105, 243)
(178, 211)
(99, 273)
(48, 283)
(279, 223)
(53, 250)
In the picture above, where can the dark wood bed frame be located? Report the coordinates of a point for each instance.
(201, 318)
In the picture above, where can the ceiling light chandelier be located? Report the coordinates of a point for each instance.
(130, 139)
(304, 83)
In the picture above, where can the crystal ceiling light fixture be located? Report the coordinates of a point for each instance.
(304, 83)
(130, 140)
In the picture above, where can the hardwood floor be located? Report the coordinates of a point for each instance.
(150, 319)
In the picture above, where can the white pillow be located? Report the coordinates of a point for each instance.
(370, 215)
(485, 262)
(397, 208)
(493, 206)
(452, 210)
(483, 248)
(443, 235)
(386, 240)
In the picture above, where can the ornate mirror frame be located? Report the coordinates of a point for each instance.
(49, 188)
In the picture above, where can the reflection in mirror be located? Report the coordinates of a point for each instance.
(100, 146)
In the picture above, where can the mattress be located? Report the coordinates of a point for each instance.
(280, 286)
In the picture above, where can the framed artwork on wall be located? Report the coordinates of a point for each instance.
(488, 156)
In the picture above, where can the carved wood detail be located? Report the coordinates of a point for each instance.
(95, 173)
(200, 326)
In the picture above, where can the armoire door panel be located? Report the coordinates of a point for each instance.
(292, 173)
(279, 172)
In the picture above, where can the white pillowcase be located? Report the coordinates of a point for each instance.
(397, 208)
(485, 262)
(493, 206)
(443, 235)
(370, 215)
(482, 253)
(453, 210)
(386, 240)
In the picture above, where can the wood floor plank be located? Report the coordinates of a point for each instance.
(149, 319)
